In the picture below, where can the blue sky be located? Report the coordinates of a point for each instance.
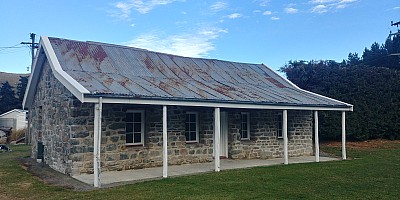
(255, 31)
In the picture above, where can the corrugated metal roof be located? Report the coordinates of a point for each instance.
(121, 71)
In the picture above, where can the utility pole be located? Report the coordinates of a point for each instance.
(33, 45)
(395, 34)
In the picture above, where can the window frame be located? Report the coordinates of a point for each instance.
(142, 126)
(248, 125)
(197, 126)
(279, 126)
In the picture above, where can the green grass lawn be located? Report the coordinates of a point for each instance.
(372, 173)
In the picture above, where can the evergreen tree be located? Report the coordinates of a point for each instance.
(21, 87)
(8, 101)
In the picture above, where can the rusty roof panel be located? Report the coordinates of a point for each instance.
(126, 71)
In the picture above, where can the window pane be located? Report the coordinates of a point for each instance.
(187, 136)
(129, 117)
(244, 134)
(187, 125)
(129, 128)
(193, 127)
(193, 136)
(187, 117)
(138, 117)
(192, 117)
(138, 138)
(244, 118)
(137, 127)
(244, 126)
(129, 138)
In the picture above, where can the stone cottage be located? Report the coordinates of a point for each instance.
(99, 107)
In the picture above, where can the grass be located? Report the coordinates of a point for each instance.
(373, 173)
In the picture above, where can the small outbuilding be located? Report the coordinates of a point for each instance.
(102, 107)
(15, 119)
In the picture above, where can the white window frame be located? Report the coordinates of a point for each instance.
(248, 125)
(279, 126)
(141, 126)
(197, 127)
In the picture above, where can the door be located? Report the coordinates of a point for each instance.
(224, 135)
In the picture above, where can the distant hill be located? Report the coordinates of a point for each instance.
(12, 78)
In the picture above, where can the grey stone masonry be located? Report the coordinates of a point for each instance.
(264, 142)
(65, 126)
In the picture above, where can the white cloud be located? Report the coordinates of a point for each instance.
(234, 15)
(197, 44)
(183, 13)
(291, 10)
(321, 1)
(256, 11)
(267, 12)
(132, 25)
(396, 8)
(319, 9)
(141, 6)
(219, 5)
(263, 3)
(275, 18)
(327, 5)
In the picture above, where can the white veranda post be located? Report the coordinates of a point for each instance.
(217, 136)
(97, 142)
(285, 137)
(344, 157)
(316, 136)
(165, 143)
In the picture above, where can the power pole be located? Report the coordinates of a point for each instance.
(33, 45)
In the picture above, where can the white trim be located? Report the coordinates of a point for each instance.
(71, 84)
(344, 156)
(14, 110)
(165, 143)
(142, 126)
(34, 77)
(248, 125)
(197, 126)
(312, 93)
(316, 138)
(217, 138)
(98, 109)
(209, 104)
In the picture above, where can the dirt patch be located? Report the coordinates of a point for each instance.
(369, 144)
(52, 177)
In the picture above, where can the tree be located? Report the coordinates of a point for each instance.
(353, 59)
(8, 101)
(21, 87)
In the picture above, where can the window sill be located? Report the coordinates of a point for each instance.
(134, 145)
(192, 142)
(245, 139)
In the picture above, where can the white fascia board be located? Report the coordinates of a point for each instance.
(34, 76)
(208, 104)
(312, 93)
(71, 84)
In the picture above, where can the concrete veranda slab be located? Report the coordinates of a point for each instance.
(114, 178)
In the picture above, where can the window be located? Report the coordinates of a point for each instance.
(191, 128)
(245, 126)
(279, 126)
(134, 128)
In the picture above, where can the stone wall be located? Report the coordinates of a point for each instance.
(116, 155)
(264, 142)
(65, 126)
(55, 118)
